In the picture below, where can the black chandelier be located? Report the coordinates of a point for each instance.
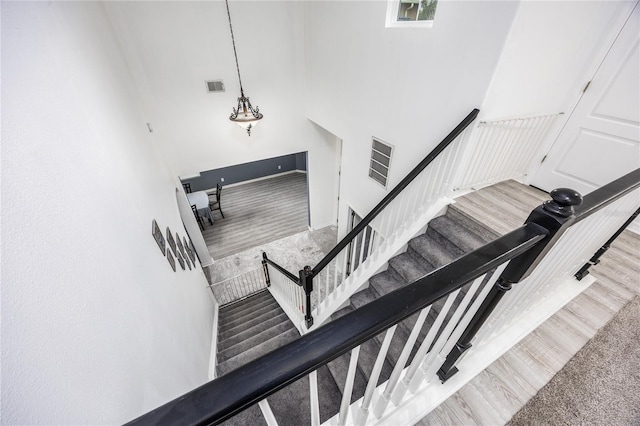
(244, 115)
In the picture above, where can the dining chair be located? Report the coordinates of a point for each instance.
(187, 187)
(215, 205)
(198, 218)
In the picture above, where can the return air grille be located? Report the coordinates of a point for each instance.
(380, 161)
(215, 86)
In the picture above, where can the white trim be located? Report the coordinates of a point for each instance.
(231, 185)
(213, 356)
(190, 176)
(291, 312)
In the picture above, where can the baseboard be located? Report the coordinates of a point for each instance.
(244, 182)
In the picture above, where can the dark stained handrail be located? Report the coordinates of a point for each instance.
(395, 192)
(599, 198)
(222, 398)
(281, 269)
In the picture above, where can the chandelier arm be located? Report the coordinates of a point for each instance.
(233, 42)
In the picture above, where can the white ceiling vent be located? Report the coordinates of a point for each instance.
(215, 86)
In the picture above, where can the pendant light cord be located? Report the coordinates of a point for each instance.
(233, 41)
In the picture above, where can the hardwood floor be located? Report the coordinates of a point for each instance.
(494, 396)
(257, 213)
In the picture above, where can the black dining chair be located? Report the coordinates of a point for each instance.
(215, 205)
(187, 187)
(198, 218)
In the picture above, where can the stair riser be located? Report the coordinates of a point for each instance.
(242, 304)
(250, 309)
(255, 340)
(230, 341)
(248, 321)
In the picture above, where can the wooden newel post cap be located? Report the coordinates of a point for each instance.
(562, 202)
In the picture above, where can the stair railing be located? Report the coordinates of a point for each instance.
(407, 199)
(551, 243)
(289, 292)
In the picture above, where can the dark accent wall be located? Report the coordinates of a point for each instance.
(247, 171)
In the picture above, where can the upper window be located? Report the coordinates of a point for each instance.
(411, 13)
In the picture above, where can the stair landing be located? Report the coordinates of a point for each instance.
(499, 392)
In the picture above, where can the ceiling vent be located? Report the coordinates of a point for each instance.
(215, 86)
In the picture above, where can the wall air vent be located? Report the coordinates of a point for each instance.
(215, 86)
(380, 161)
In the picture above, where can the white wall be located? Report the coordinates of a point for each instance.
(553, 50)
(174, 47)
(96, 327)
(409, 87)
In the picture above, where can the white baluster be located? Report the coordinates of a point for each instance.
(313, 396)
(384, 399)
(348, 386)
(363, 411)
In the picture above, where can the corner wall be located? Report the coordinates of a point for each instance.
(408, 87)
(96, 326)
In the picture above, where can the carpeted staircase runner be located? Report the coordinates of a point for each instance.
(258, 325)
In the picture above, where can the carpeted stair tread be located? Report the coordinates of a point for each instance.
(256, 351)
(363, 297)
(242, 304)
(386, 282)
(472, 224)
(251, 416)
(366, 360)
(435, 249)
(341, 312)
(227, 342)
(237, 326)
(409, 266)
(288, 404)
(249, 308)
(254, 340)
(339, 368)
(455, 232)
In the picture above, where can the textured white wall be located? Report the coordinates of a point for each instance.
(96, 327)
(174, 47)
(409, 87)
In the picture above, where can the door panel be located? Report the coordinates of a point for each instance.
(601, 140)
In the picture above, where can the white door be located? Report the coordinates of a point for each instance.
(601, 139)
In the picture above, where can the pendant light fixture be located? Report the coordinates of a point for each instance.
(244, 115)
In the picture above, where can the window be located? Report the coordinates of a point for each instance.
(380, 160)
(411, 13)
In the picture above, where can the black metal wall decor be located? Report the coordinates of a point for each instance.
(157, 235)
(170, 240)
(171, 260)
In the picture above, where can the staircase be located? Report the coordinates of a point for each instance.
(249, 328)
(447, 238)
(257, 324)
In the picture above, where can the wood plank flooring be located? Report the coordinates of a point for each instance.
(257, 213)
(494, 396)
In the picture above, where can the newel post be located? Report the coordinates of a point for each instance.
(265, 269)
(306, 281)
(555, 216)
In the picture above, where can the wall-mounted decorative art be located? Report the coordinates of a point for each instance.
(180, 246)
(171, 241)
(190, 250)
(157, 235)
(180, 261)
(171, 260)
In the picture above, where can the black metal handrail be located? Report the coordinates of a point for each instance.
(395, 192)
(214, 403)
(281, 269)
(604, 195)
